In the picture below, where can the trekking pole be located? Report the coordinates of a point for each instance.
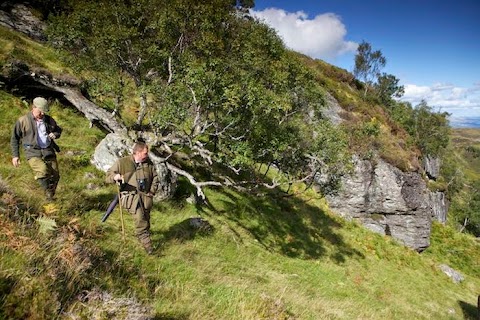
(121, 211)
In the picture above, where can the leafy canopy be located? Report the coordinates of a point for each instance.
(210, 77)
(368, 64)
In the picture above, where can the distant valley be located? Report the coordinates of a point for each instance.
(465, 122)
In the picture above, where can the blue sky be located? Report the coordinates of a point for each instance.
(433, 47)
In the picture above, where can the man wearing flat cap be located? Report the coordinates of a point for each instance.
(37, 132)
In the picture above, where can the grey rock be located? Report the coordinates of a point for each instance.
(456, 276)
(431, 165)
(440, 206)
(387, 201)
(112, 147)
(18, 17)
(332, 110)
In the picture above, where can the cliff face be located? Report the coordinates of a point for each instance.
(388, 201)
(438, 200)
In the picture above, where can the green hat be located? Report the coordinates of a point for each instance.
(42, 104)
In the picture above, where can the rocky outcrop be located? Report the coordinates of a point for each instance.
(333, 110)
(439, 204)
(19, 17)
(388, 201)
(438, 200)
(114, 146)
(431, 165)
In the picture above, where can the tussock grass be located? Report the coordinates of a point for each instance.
(14, 46)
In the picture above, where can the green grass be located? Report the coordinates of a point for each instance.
(465, 203)
(466, 144)
(14, 46)
(266, 256)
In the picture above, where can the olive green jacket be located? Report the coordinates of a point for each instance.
(132, 174)
(25, 132)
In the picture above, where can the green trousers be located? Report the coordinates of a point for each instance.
(45, 170)
(140, 211)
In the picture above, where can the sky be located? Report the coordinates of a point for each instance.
(431, 46)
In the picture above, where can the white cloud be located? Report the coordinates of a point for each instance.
(321, 37)
(459, 101)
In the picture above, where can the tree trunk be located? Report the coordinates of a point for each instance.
(21, 75)
(143, 108)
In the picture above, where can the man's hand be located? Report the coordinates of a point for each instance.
(118, 178)
(16, 161)
(52, 136)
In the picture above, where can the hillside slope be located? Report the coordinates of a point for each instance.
(465, 208)
(258, 256)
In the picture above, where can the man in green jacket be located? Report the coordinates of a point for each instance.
(139, 182)
(37, 132)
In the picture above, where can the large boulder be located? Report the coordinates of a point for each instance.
(115, 146)
(388, 201)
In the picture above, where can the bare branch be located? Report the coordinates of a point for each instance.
(196, 122)
(235, 170)
(170, 71)
(199, 149)
(91, 111)
(286, 116)
(194, 182)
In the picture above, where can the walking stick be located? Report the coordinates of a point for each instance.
(121, 211)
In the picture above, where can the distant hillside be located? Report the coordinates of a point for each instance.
(465, 209)
(465, 122)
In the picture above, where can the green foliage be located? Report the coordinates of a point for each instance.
(46, 225)
(244, 3)
(371, 128)
(466, 209)
(225, 81)
(363, 137)
(331, 152)
(451, 173)
(432, 130)
(387, 88)
(429, 129)
(368, 64)
(48, 7)
(248, 101)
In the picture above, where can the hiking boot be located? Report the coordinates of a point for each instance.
(49, 195)
(49, 192)
(148, 248)
(147, 244)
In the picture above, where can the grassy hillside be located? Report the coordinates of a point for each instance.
(467, 145)
(263, 256)
(465, 205)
